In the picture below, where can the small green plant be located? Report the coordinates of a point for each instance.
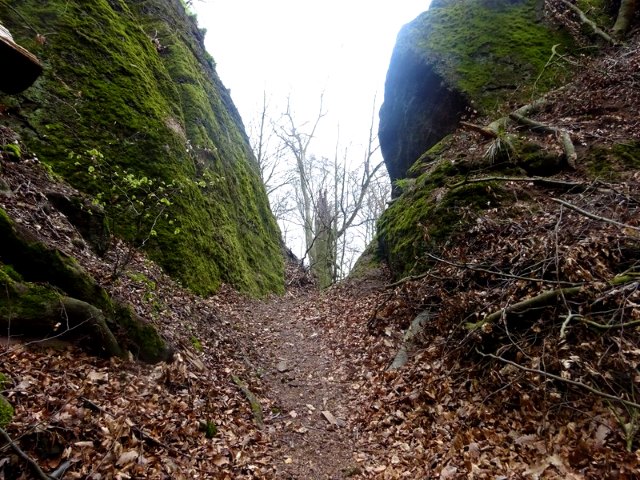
(209, 180)
(629, 424)
(135, 205)
(6, 412)
(209, 428)
(197, 344)
(12, 151)
(404, 185)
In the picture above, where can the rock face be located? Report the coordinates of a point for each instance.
(419, 109)
(130, 82)
(459, 56)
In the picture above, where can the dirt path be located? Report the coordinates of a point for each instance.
(306, 389)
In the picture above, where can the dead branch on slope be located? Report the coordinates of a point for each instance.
(35, 468)
(561, 379)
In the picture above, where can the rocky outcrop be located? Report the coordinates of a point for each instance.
(419, 109)
(461, 57)
(130, 83)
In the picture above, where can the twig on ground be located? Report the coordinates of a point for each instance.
(540, 180)
(475, 268)
(594, 216)
(35, 468)
(560, 379)
(256, 408)
(411, 278)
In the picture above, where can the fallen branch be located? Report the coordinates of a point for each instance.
(411, 278)
(256, 408)
(594, 216)
(484, 131)
(524, 111)
(565, 138)
(501, 274)
(560, 379)
(600, 326)
(544, 299)
(35, 468)
(585, 20)
(539, 180)
(548, 298)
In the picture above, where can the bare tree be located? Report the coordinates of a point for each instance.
(297, 143)
(325, 199)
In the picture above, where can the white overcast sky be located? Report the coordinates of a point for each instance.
(300, 48)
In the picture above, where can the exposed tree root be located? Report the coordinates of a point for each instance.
(590, 23)
(256, 408)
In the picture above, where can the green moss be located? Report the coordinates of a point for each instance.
(21, 300)
(12, 150)
(367, 262)
(488, 52)
(210, 429)
(4, 381)
(37, 263)
(425, 160)
(425, 218)
(159, 110)
(139, 337)
(6, 412)
(611, 162)
(197, 344)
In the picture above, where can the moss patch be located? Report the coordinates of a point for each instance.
(6, 412)
(139, 337)
(424, 218)
(488, 50)
(612, 162)
(133, 81)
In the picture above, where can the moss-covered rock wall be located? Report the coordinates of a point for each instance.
(131, 79)
(461, 57)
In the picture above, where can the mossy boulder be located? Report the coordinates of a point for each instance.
(45, 293)
(132, 80)
(459, 57)
(613, 162)
(423, 218)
